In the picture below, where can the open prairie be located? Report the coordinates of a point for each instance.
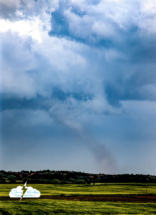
(82, 199)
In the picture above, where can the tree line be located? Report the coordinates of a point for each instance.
(71, 177)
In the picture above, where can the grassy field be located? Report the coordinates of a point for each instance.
(49, 206)
(81, 189)
(73, 207)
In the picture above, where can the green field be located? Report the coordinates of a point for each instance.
(82, 189)
(74, 207)
(49, 206)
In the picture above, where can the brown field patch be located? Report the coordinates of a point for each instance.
(127, 198)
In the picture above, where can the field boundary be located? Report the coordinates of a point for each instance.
(102, 198)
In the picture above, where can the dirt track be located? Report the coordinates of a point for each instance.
(128, 198)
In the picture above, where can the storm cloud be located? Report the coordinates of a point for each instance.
(78, 85)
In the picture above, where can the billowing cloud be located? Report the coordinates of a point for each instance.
(72, 71)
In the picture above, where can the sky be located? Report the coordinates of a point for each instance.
(78, 85)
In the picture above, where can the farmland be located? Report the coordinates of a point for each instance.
(82, 198)
(84, 189)
(74, 207)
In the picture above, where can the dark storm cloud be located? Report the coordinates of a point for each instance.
(78, 77)
(40, 102)
(61, 26)
(136, 87)
(7, 12)
(137, 49)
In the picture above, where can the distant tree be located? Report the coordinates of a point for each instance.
(55, 181)
(12, 177)
(73, 180)
(81, 181)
